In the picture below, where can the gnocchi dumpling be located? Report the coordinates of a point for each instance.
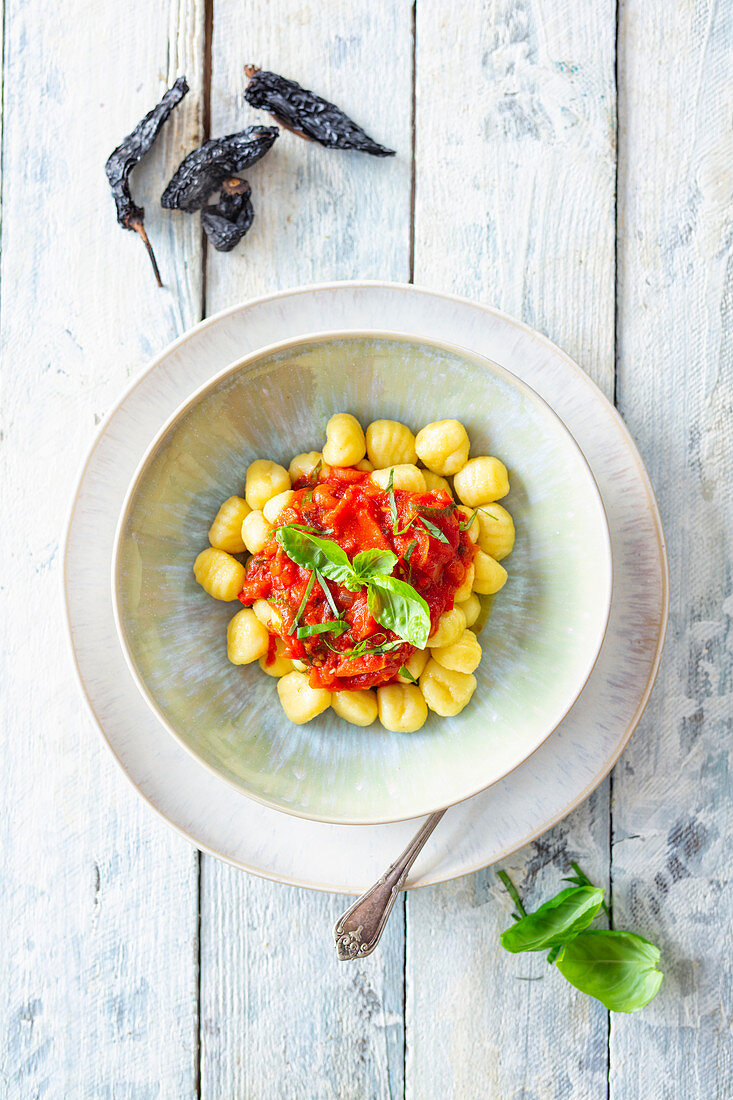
(403, 477)
(490, 575)
(247, 638)
(266, 613)
(345, 442)
(443, 446)
(299, 700)
(219, 574)
(495, 531)
(414, 665)
(451, 625)
(464, 655)
(275, 505)
(358, 707)
(434, 482)
(265, 479)
(304, 465)
(481, 481)
(466, 587)
(281, 665)
(471, 608)
(256, 532)
(402, 708)
(225, 532)
(446, 691)
(390, 443)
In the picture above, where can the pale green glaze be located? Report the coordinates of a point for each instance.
(539, 643)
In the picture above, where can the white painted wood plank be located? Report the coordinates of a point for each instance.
(672, 789)
(98, 967)
(515, 207)
(280, 1015)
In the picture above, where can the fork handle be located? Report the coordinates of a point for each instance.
(359, 930)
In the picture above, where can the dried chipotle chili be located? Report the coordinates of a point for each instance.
(307, 114)
(204, 170)
(129, 153)
(226, 223)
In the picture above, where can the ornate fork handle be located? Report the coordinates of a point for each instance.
(359, 930)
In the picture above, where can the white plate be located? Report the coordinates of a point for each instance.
(560, 774)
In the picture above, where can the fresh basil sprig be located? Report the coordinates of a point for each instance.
(392, 602)
(618, 968)
(555, 922)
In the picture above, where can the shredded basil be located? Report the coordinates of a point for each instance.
(403, 670)
(303, 602)
(327, 594)
(433, 530)
(392, 500)
(466, 523)
(338, 627)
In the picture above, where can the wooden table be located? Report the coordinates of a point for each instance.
(565, 160)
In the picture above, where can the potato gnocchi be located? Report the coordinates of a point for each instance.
(361, 567)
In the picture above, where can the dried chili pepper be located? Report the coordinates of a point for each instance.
(122, 161)
(307, 114)
(226, 223)
(204, 170)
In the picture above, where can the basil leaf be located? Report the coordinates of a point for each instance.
(397, 606)
(433, 530)
(303, 602)
(619, 969)
(555, 922)
(369, 563)
(321, 555)
(403, 670)
(338, 627)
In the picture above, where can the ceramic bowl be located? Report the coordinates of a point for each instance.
(539, 643)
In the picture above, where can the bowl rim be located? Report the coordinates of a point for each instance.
(323, 336)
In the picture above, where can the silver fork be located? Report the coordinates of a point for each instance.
(359, 930)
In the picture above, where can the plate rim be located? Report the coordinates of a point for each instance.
(333, 336)
(424, 292)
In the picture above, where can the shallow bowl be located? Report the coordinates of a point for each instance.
(539, 643)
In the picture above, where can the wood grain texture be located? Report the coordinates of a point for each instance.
(672, 789)
(99, 898)
(280, 1015)
(515, 166)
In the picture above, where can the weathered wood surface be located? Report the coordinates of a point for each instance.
(672, 788)
(99, 913)
(514, 207)
(106, 915)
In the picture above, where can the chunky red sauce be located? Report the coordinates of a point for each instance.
(347, 506)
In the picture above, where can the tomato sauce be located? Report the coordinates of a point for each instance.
(345, 505)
